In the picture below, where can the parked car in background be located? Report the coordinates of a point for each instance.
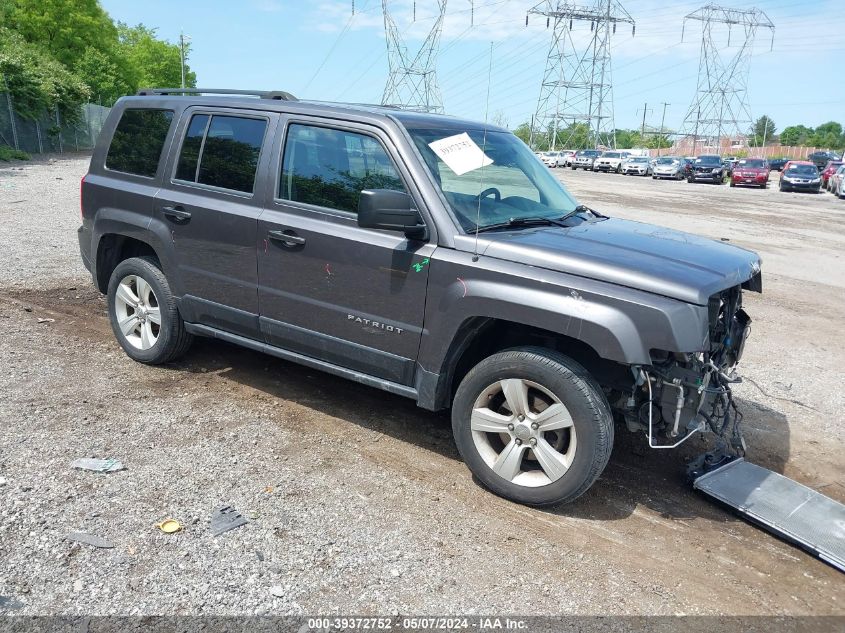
(778, 163)
(729, 163)
(837, 182)
(820, 159)
(609, 161)
(828, 171)
(707, 168)
(566, 156)
(669, 167)
(800, 176)
(584, 159)
(551, 159)
(750, 172)
(636, 166)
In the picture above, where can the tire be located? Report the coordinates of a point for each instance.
(732, 183)
(147, 342)
(575, 453)
(654, 177)
(573, 168)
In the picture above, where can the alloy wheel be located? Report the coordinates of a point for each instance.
(138, 313)
(523, 432)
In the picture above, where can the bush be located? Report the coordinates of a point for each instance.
(9, 153)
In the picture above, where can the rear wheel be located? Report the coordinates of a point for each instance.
(143, 313)
(533, 426)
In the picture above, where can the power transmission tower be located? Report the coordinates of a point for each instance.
(576, 87)
(412, 81)
(720, 107)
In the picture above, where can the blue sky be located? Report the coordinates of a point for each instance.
(319, 50)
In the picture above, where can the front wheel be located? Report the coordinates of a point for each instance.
(533, 426)
(143, 313)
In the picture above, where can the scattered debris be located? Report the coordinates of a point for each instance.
(3, 481)
(97, 465)
(10, 603)
(27, 309)
(225, 518)
(169, 526)
(277, 591)
(259, 555)
(42, 320)
(77, 585)
(89, 539)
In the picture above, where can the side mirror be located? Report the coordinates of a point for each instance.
(391, 211)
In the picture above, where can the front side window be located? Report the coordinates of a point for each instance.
(221, 151)
(138, 141)
(330, 168)
(513, 185)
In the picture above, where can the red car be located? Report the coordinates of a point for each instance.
(829, 170)
(750, 171)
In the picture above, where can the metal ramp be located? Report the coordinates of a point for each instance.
(784, 507)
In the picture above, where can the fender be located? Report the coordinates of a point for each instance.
(144, 228)
(620, 324)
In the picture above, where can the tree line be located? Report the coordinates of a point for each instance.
(63, 53)
(827, 135)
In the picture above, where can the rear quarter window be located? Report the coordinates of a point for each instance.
(138, 140)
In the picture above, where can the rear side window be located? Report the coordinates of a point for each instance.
(221, 151)
(330, 168)
(138, 141)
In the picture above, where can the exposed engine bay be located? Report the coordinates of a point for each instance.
(681, 394)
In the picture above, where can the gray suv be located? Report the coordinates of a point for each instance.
(428, 256)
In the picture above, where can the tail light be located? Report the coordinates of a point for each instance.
(81, 183)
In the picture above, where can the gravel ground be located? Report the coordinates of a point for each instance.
(357, 500)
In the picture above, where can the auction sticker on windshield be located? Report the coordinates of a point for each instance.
(460, 153)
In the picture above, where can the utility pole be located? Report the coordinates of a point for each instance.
(576, 86)
(183, 40)
(662, 121)
(412, 81)
(642, 129)
(720, 106)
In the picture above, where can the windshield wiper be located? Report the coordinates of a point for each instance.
(523, 222)
(583, 208)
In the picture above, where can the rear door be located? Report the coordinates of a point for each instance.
(329, 289)
(210, 205)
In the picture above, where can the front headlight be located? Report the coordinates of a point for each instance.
(716, 170)
(814, 180)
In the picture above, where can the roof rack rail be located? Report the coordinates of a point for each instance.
(279, 95)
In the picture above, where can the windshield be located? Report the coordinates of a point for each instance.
(588, 152)
(638, 159)
(752, 163)
(802, 170)
(708, 160)
(667, 161)
(611, 155)
(515, 185)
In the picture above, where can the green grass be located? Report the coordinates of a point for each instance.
(7, 154)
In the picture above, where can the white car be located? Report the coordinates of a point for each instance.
(636, 166)
(610, 161)
(566, 156)
(551, 159)
(837, 182)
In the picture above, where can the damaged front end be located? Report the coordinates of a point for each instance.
(681, 394)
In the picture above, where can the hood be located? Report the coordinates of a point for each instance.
(642, 256)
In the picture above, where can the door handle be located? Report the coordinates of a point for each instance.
(176, 213)
(287, 237)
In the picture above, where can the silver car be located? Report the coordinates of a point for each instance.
(668, 167)
(585, 158)
(636, 166)
(837, 182)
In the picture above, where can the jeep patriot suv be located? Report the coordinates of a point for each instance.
(428, 256)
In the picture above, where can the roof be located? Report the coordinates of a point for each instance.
(407, 118)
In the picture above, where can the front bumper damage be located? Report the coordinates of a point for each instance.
(683, 394)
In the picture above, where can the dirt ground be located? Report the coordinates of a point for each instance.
(357, 500)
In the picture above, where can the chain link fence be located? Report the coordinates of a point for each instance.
(49, 133)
